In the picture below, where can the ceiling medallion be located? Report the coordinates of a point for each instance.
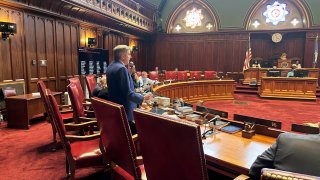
(193, 18)
(276, 13)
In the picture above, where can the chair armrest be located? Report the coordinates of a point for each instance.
(80, 125)
(64, 106)
(66, 112)
(274, 174)
(242, 177)
(74, 138)
(88, 111)
(87, 99)
(86, 103)
(85, 119)
(119, 171)
(136, 143)
(135, 138)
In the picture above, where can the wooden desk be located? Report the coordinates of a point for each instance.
(192, 91)
(231, 154)
(259, 73)
(21, 109)
(294, 88)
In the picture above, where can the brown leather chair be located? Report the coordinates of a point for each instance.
(117, 139)
(79, 113)
(153, 75)
(81, 151)
(91, 83)
(274, 174)
(167, 146)
(195, 75)
(210, 74)
(66, 115)
(182, 76)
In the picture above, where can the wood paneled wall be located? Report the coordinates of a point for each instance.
(225, 52)
(39, 38)
(111, 40)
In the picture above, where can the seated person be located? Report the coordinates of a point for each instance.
(296, 153)
(145, 82)
(101, 89)
(291, 73)
(298, 65)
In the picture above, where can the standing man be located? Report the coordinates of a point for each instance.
(120, 84)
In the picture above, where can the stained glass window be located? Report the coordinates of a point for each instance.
(276, 13)
(193, 18)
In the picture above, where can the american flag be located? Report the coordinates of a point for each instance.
(246, 64)
(316, 49)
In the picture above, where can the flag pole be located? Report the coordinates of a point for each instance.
(316, 49)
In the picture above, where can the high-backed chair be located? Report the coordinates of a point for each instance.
(170, 75)
(79, 113)
(210, 74)
(65, 116)
(167, 145)
(81, 97)
(81, 151)
(182, 76)
(273, 174)
(91, 83)
(153, 75)
(117, 139)
(195, 75)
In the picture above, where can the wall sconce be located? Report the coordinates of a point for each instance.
(7, 29)
(92, 42)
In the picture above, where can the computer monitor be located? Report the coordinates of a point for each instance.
(274, 73)
(301, 73)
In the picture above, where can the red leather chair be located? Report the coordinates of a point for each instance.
(195, 75)
(117, 139)
(210, 74)
(81, 97)
(79, 113)
(153, 75)
(67, 115)
(167, 145)
(81, 151)
(91, 83)
(170, 75)
(182, 76)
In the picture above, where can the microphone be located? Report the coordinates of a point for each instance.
(216, 117)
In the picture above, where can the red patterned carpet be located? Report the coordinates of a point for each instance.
(285, 111)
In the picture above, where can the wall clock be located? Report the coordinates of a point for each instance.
(276, 37)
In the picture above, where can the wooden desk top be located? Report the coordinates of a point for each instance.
(234, 151)
(193, 82)
(291, 78)
(28, 97)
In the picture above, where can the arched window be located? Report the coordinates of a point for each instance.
(193, 16)
(278, 14)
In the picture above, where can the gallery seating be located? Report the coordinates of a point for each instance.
(166, 149)
(195, 75)
(182, 76)
(170, 75)
(117, 139)
(210, 74)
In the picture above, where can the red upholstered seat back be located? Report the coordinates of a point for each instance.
(91, 82)
(77, 106)
(76, 81)
(153, 75)
(116, 135)
(167, 146)
(42, 89)
(195, 75)
(182, 76)
(56, 115)
(170, 75)
(210, 74)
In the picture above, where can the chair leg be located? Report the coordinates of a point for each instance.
(67, 167)
(54, 134)
(70, 169)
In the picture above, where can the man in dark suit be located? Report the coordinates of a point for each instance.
(291, 152)
(120, 84)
